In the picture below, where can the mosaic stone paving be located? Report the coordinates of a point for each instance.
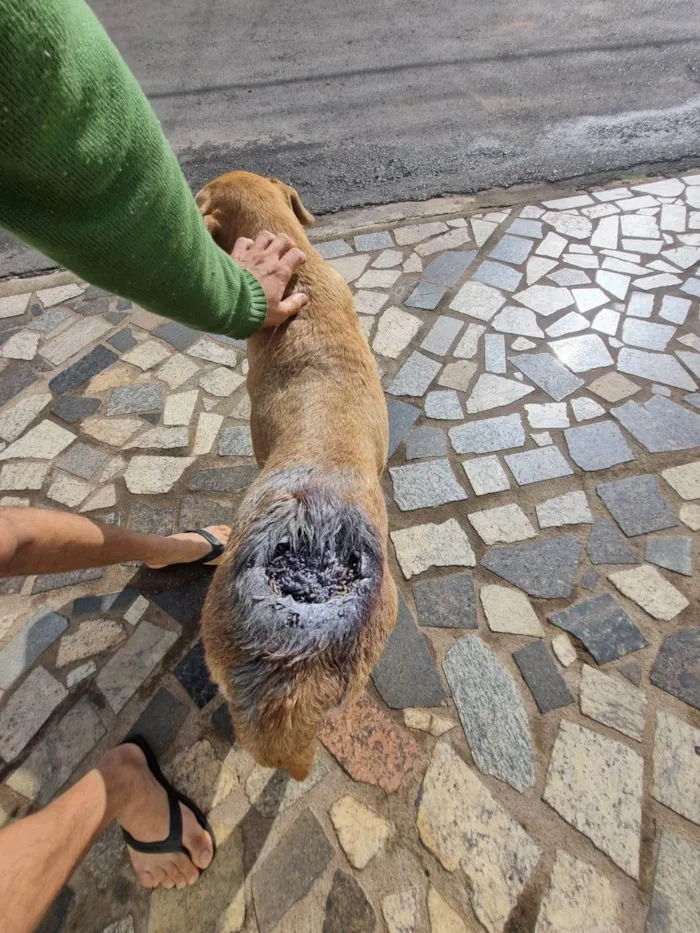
(527, 757)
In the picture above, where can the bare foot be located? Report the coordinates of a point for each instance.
(189, 546)
(146, 817)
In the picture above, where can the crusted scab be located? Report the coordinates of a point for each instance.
(313, 576)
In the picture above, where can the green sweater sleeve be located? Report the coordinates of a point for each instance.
(87, 176)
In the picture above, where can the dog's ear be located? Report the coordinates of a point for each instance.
(302, 215)
(213, 226)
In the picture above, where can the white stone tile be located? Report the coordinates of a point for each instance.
(478, 301)
(444, 406)
(369, 302)
(569, 509)
(145, 356)
(43, 442)
(538, 266)
(212, 352)
(112, 431)
(662, 280)
(583, 353)
(54, 296)
(640, 305)
(646, 334)
(23, 475)
(649, 247)
(14, 305)
(606, 321)
(179, 408)
(548, 415)
(625, 266)
(176, 371)
(572, 225)
(655, 367)
(676, 768)
(68, 490)
(482, 230)
(105, 498)
(15, 420)
(669, 187)
(486, 475)
(600, 210)
(545, 299)
(221, 382)
(673, 218)
(508, 610)
(522, 344)
(453, 239)
(378, 278)
(553, 246)
(582, 262)
(502, 525)
(396, 329)
(647, 587)
(469, 344)
(458, 375)
(542, 439)
(570, 323)
(639, 226)
(589, 298)
(612, 194)
(150, 475)
(514, 320)
(613, 282)
(423, 546)
(20, 346)
(494, 353)
(684, 479)
(586, 408)
(350, 267)
(564, 649)
(387, 259)
(414, 233)
(606, 233)
(492, 391)
(207, 428)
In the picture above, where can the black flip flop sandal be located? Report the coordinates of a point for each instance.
(173, 842)
(217, 548)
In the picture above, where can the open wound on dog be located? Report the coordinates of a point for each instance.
(313, 576)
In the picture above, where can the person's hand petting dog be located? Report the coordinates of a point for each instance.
(273, 260)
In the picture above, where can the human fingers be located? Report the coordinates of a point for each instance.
(293, 304)
(280, 245)
(241, 247)
(264, 238)
(292, 259)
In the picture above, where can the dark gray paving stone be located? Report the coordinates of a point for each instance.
(93, 607)
(236, 442)
(441, 335)
(422, 485)
(56, 919)
(14, 379)
(602, 625)
(347, 907)
(449, 268)
(547, 373)
(674, 552)
(406, 674)
(123, 340)
(198, 512)
(184, 603)
(366, 242)
(161, 720)
(81, 372)
(223, 724)
(32, 640)
(597, 446)
(491, 712)
(230, 341)
(449, 602)
(94, 291)
(415, 376)
(82, 460)
(632, 670)
(426, 442)
(333, 249)
(11, 585)
(177, 335)
(284, 877)
(56, 581)
(487, 435)
(498, 275)
(402, 417)
(116, 317)
(539, 672)
(425, 295)
(193, 674)
(607, 545)
(546, 569)
(91, 308)
(135, 399)
(150, 520)
(226, 479)
(636, 505)
(123, 304)
(589, 579)
(511, 249)
(677, 666)
(660, 424)
(71, 409)
(152, 417)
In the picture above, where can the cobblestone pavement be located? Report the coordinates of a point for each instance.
(527, 757)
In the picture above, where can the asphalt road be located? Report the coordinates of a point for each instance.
(368, 102)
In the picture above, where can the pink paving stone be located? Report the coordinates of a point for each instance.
(369, 745)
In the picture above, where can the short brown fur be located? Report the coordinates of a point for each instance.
(316, 399)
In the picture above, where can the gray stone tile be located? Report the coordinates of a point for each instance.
(539, 672)
(675, 899)
(406, 675)
(547, 373)
(72, 409)
(443, 405)
(448, 268)
(497, 275)
(27, 710)
(236, 442)
(127, 669)
(14, 379)
(524, 227)
(366, 242)
(226, 479)
(660, 424)
(656, 367)
(422, 485)
(284, 878)
(193, 674)
(491, 712)
(448, 602)
(115, 318)
(534, 466)
(677, 666)
(82, 460)
(46, 321)
(161, 720)
(333, 249)
(135, 399)
(636, 505)
(31, 641)
(123, 340)
(495, 353)
(546, 569)
(426, 442)
(199, 512)
(568, 278)
(480, 437)
(151, 520)
(590, 579)
(415, 376)
(691, 287)
(632, 670)
(81, 372)
(674, 552)
(597, 446)
(56, 581)
(184, 603)
(693, 399)
(102, 604)
(223, 724)
(177, 335)
(511, 249)
(486, 475)
(347, 907)
(607, 545)
(610, 701)
(646, 334)
(425, 295)
(691, 360)
(605, 629)
(441, 335)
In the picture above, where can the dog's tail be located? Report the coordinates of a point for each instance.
(304, 581)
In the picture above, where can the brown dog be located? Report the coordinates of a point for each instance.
(302, 604)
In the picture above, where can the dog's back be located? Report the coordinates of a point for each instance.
(302, 603)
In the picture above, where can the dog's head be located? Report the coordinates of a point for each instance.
(242, 204)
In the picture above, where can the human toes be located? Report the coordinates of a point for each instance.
(172, 870)
(196, 840)
(187, 870)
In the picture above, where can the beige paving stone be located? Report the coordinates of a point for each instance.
(595, 784)
(14, 305)
(676, 766)
(27, 710)
(461, 823)
(387, 259)
(119, 374)
(20, 346)
(221, 382)
(350, 267)
(179, 408)
(613, 702)
(81, 672)
(125, 925)
(432, 545)
(207, 428)
(509, 610)
(502, 525)
(362, 833)
(458, 375)
(198, 773)
(148, 475)
(564, 649)
(24, 475)
(54, 296)
(146, 319)
(647, 587)
(570, 509)
(395, 330)
(92, 637)
(400, 911)
(426, 721)
(690, 516)
(112, 469)
(176, 371)
(579, 900)
(378, 278)
(443, 919)
(413, 264)
(414, 233)
(213, 353)
(76, 338)
(161, 438)
(613, 387)
(113, 431)
(453, 239)
(684, 479)
(15, 502)
(271, 792)
(45, 441)
(675, 902)
(68, 490)
(104, 498)
(147, 355)
(15, 420)
(136, 610)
